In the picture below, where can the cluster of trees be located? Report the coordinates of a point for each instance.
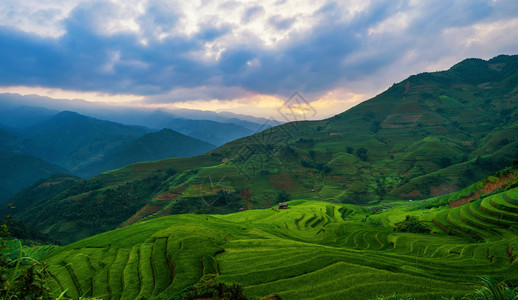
(207, 288)
(360, 152)
(412, 224)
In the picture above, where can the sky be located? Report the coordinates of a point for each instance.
(240, 56)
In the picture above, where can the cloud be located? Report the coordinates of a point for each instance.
(281, 23)
(252, 13)
(186, 51)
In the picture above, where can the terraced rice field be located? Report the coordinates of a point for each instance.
(313, 250)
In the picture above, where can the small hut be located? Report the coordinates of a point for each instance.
(283, 205)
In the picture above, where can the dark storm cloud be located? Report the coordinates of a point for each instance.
(77, 59)
(334, 50)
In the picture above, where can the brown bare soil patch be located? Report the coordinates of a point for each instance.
(282, 180)
(45, 184)
(490, 187)
(79, 197)
(271, 297)
(443, 189)
(143, 212)
(411, 194)
(464, 200)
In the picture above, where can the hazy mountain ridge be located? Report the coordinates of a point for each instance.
(77, 140)
(22, 111)
(154, 146)
(212, 132)
(72, 143)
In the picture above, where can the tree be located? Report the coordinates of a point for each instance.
(362, 153)
(444, 162)
(312, 154)
(283, 196)
(412, 224)
(380, 190)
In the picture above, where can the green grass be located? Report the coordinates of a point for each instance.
(313, 250)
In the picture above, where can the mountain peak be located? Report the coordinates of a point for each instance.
(69, 114)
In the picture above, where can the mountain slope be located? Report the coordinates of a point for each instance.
(432, 134)
(74, 141)
(42, 190)
(154, 146)
(19, 171)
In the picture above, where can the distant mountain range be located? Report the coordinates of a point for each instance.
(150, 147)
(429, 135)
(21, 111)
(68, 142)
(216, 133)
(74, 141)
(45, 140)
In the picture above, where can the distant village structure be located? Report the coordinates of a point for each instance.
(283, 205)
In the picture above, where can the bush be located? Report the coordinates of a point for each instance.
(412, 224)
(491, 289)
(283, 196)
(20, 280)
(444, 162)
(206, 288)
(362, 153)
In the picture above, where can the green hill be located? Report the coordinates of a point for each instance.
(312, 250)
(429, 135)
(75, 141)
(152, 146)
(43, 189)
(19, 171)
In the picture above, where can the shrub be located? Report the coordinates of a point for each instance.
(362, 153)
(206, 288)
(412, 224)
(492, 290)
(444, 162)
(283, 196)
(19, 280)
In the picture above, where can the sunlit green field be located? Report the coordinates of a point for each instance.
(313, 250)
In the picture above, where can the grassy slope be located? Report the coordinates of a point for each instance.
(313, 250)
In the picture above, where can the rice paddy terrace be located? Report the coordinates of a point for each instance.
(313, 250)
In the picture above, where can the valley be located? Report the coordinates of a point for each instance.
(413, 192)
